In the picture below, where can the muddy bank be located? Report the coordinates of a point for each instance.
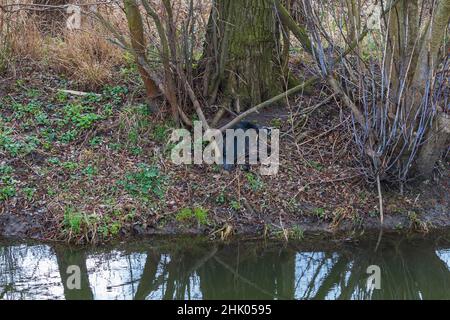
(13, 227)
(433, 219)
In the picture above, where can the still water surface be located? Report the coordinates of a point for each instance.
(197, 269)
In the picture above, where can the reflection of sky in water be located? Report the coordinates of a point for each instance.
(117, 276)
(194, 293)
(310, 269)
(31, 272)
(114, 275)
(444, 255)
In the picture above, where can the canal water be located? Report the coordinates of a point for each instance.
(193, 268)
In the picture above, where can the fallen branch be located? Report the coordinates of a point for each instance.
(78, 93)
(271, 101)
(339, 91)
(218, 116)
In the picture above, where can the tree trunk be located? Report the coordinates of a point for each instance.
(436, 142)
(403, 44)
(410, 65)
(353, 19)
(136, 27)
(437, 138)
(66, 258)
(242, 52)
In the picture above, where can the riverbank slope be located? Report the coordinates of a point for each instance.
(96, 167)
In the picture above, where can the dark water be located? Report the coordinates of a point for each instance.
(196, 269)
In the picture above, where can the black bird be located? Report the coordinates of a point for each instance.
(244, 125)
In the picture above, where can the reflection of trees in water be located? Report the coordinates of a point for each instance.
(240, 271)
(418, 274)
(24, 270)
(248, 273)
(149, 281)
(65, 258)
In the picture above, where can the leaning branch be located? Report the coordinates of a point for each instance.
(271, 101)
(192, 96)
(300, 33)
